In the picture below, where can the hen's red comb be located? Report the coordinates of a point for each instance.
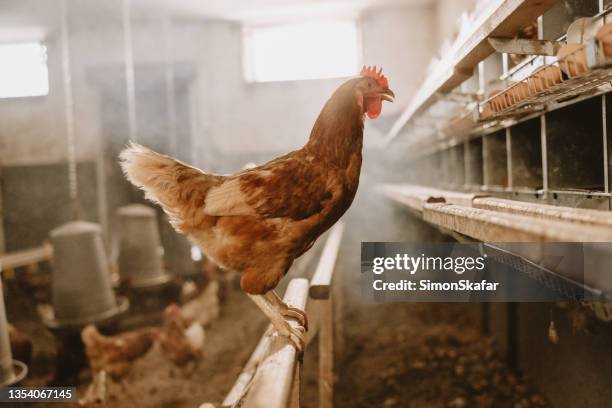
(377, 75)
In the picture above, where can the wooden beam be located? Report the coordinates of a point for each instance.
(294, 398)
(322, 278)
(502, 19)
(410, 195)
(326, 353)
(244, 379)
(493, 226)
(273, 382)
(545, 211)
(415, 196)
(524, 46)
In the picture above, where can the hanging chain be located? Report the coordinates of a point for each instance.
(69, 113)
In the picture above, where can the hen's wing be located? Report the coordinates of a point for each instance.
(291, 186)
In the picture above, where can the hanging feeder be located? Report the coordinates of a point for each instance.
(81, 292)
(140, 249)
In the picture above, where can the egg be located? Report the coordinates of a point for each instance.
(492, 105)
(505, 99)
(545, 77)
(486, 110)
(521, 91)
(499, 103)
(512, 95)
(572, 59)
(493, 100)
(604, 35)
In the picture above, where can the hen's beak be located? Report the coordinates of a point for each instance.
(387, 95)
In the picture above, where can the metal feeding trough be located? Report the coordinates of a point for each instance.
(140, 250)
(82, 290)
(11, 371)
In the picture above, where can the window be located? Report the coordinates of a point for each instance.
(313, 50)
(23, 70)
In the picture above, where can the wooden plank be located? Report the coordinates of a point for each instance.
(411, 196)
(493, 226)
(524, 46)
(294, 400)
(338, 298)
(273, 382)
(415, 196)
(26, 257)
(244, 379)
(313, 311)
(326, 354)
(503, 19)
(546, 211)
(322, 278)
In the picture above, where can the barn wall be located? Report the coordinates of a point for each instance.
(282, 113)
(222, 123)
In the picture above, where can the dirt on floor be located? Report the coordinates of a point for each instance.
(395, 355)
(419, 355)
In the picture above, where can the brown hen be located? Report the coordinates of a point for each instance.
(259, 220)
(115, 354)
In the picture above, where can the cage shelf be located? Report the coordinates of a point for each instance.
(491, 219)
(569, 77)
(545, 211)
(492, 226)
(502, 19)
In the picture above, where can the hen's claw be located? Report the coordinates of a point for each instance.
(297, 336)
(297, 314)
(278, 312)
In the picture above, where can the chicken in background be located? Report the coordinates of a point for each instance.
(115, 354)
(95, 395)
(202, 308)
(212, 272)
(180, 342)
(259, 220)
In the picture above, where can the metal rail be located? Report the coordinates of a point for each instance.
(18, 259)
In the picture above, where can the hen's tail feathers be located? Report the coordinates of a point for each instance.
(180, 189)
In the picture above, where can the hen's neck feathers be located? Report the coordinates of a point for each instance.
(338, 132)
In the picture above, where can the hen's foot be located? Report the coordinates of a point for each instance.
(297, 314)
(288, 329)
(296, 335)
(287, 311)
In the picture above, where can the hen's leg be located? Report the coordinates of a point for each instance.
(286, 310)
(295, 334)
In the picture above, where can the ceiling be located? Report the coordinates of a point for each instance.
(36, 19)
(270, 10)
